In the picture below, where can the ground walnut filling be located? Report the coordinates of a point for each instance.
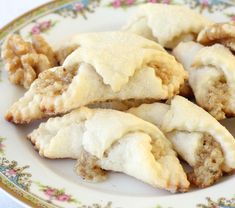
(218, 97)
(209, 159)
(53, 83)
(87, 167)
(163, 73)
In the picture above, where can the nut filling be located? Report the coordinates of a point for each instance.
(218, 96)
(163, 73)
(87, 167)
(25, 60)
(53, 83)
(208, 168)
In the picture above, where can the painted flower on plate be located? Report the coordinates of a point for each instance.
(54, 194)
(42, 27)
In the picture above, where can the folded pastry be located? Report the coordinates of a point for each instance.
(103, 139)
(211, 76)
(197, 137)
(108, 70)
(223, 33)
(25, 60)
(184, 52)
(166, 24)
(97, 39)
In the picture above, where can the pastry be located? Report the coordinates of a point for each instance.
(197, 137)
(223, 33)
(96, 39)
(25, 60)
(103, 139)
(97, 73)
(184, 52)
(211, 76)
(166, 24)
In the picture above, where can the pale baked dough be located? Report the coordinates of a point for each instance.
(211, 76)
(184, 52)
(102, 72)
(198, 138)
(166, 24)
(95, 39)
(223, 33)
(111, 140)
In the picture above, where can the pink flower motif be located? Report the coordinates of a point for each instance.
(233, 18)
(152, 1)
(129, 2)
(44, 25)
(166, 1)
(50, 192)
(78, 6)
(2, 146)
(36, 30)
(11, 173)
(116, 3)
(205, 2)
(63, 197)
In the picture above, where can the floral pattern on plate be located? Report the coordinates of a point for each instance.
(219, 203)
(42, 27)
(65, 10)
(79, 8)
(54, 194)
(15, 174)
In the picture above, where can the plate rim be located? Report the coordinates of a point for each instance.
(17, 194)
(7, 186)
(52, 4)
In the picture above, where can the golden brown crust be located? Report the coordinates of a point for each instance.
(223, 33)
(208, 168)
(23, 61)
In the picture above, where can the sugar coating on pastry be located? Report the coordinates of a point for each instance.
(104, 72)
(223, 33)
(212, 79)
(25, 60)
(166, 24)
(212, 147)
(111, 140)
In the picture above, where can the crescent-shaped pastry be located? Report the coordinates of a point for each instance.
(211, 76)
(166, 24)
(223, 33)
(98, 39)
(198, 138)
(108, 70)
(103, 139)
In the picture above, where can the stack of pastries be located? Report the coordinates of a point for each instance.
(117, 98)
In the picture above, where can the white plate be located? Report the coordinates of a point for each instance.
(53, 182)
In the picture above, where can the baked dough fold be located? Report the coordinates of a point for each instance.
(166, 24)
(111, 140)
(198, 138)
(211, 76)
(101, 72)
